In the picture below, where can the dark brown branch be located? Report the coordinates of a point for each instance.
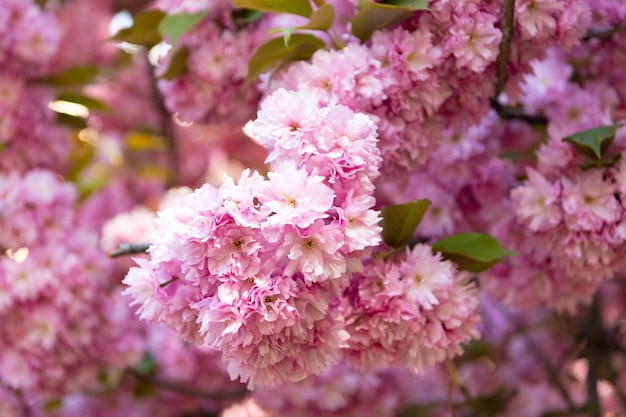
(192, 392)
(550, 371)
(505, 47)
(594, 351)
(124, 249)
(604, 33)
(515, 113)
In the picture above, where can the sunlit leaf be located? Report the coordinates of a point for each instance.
(399, 221)
(299, 7)
(177, 64)
(471, 251)
(89, 102)
(375, 16)
(141, 141)
(174, 26)
(144, 30)
(593, 142)
(274, 53)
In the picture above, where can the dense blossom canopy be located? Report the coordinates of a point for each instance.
(332, 208)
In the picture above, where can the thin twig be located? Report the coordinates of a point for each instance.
(505, 46)
(192, 392)
(514, 113)
(604, 33)
(166, 126)
(124, 249)
(550, 371)
(594, 352)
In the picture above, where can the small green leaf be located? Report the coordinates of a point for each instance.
(53, 405)
(286, 33)
(299, 7)
(146, 366)
(400, 221)
(321, 19)
(174, 26)
(593, 142)
(177, 65)
(243, 17)
(73, 76)
(408, 4)
(71, 121)
(137, 140)
(274, 53)
(417, 410)
(471, 251)
(477, 349)
(374, 16)
(144, 30)
(89, 102)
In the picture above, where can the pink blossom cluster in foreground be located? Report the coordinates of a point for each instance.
(255, 269)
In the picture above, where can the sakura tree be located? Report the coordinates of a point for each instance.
(312, 208)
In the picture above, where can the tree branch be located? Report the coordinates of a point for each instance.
(594, 352)
(192, 392)
(505, 47)
(514, 113)
(124, 249)
(604, 33)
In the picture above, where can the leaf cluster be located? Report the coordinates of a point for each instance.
(473, 252)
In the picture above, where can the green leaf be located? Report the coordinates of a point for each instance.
(417, 410)
(400, 221)
(144, 30)
(408, 4)
(321, 19)
(146, 366)
(243, 17)
(593, 142)
(73, 76)
(274, 53)
(137, 140)
(174, 26)
(89, 102)
(299, 7)
(374, 16)
(477, 349)
(286, 33)
(71, 121)
(471, 251)
(178, 64)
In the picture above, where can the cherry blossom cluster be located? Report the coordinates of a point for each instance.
(416, 312)
(566, 218)
(436, 69)
(253, 268)
(63, 330)
(211, 90)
